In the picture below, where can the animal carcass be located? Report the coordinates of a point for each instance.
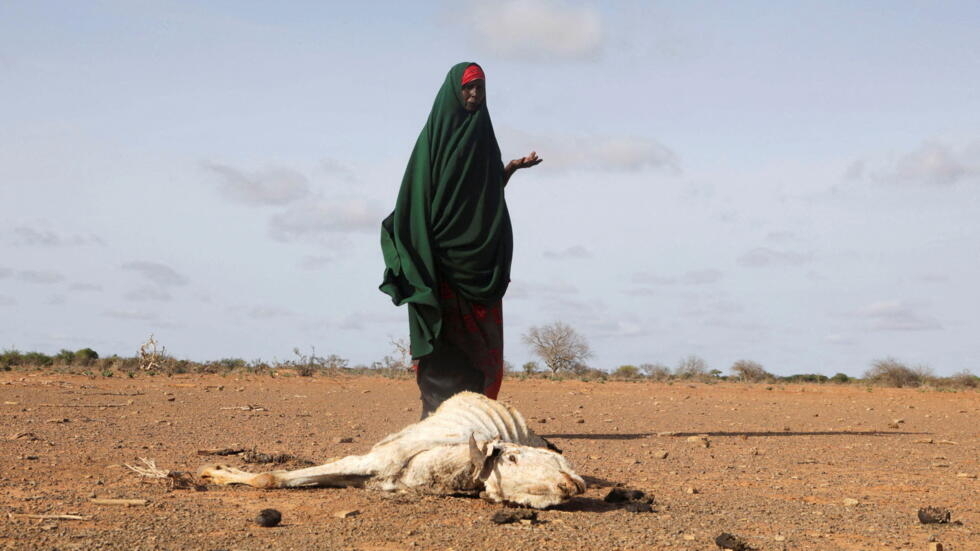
(471, 444)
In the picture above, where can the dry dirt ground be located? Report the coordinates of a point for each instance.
(780, 462)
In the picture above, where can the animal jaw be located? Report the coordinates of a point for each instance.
(471, 444)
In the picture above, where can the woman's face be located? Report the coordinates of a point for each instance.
(473, 94)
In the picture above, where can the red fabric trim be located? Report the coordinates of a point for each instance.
(473, 72)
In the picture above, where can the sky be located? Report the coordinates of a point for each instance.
(796, 184)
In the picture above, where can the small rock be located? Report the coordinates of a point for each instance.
(580, 421)
(965, 475)
(347, 514)
(691, 491)
(935, 546)
(700, 439)
(619, 495)
(171, 398)
(660, 454)
(689, 537)
(934, 515)
(508, 516)
(667, 433)
(732, 542)
(638, 507)
(893, 425)
(268, 518)
(542, 420)
(850, 502)
(343, 440)
(779, 537)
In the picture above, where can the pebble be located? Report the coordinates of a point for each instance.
(850, 501)
(935, 546)
(347, 514)
(343, 440)
(660, 454)
(965, 475)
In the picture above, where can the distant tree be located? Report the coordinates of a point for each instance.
(692, 367)
(86, 356)
(558, 345)
(529, 368)
(749, 371)
(656, 371)
(840, 378)
(627, 372)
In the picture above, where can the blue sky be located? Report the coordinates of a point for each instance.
(792, 184)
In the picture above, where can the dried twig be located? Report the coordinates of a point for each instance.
(127, 502)
(221, 451)
(50, 517)
(248, 407)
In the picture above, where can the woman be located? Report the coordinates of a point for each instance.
(447, 246)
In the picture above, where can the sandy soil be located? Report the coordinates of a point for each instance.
(779, 465)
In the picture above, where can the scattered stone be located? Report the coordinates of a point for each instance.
(779, 537)
(893, 425)
(636, 501)
(580, 421)
(638, 507)
(691, 491)
(850, 502)
(619, 495)
(965, 475)
(934, 515)
(268, 518)
(509, 516)
(700, 439)
(347, 514)
(660, 454)
(689, 537)
(59, 420)
(935, 546)
(732, 542)
(925, 441)
(343, 440)
(667, 433)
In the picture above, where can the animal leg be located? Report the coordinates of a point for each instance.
(353, 470)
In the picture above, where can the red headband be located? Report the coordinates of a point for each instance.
(473, 72)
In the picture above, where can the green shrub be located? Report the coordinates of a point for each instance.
(840, 378)
(86, 356)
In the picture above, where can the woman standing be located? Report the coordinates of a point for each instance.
(448, 244)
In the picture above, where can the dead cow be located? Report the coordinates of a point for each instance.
(470, 445)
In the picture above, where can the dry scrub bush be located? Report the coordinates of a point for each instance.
(655, 372)
(749, 371)
(891, 372)
(558, 345)
(692, 367)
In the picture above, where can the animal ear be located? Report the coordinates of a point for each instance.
(483, 459)
(477, 454)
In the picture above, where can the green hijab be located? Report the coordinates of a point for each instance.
(450, 222)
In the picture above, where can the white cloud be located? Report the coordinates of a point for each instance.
(85, 287)
(31, 237)
(607, 153)
(315, 262)
(895, 315)
(272, 186)
(311, 219)
(161, 274)
(36, 276)
(933, 164)
(148, 293)
(764, 256)
(536, 30)
(7, 301)
(575, 251)
(691, 277)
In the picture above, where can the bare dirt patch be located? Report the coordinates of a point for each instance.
(779, 467)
